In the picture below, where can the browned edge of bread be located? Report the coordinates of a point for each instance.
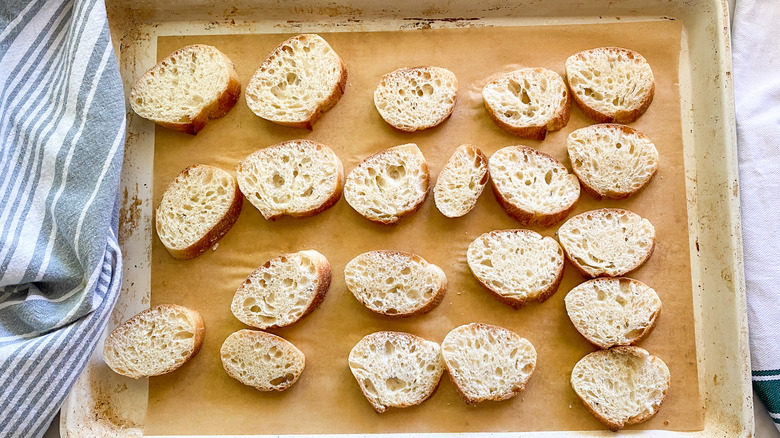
(621, 116)
(536, 132)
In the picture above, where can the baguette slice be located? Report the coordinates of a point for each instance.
(608, 242)
(187, 88)
(395, 283)
(416, 98)
(461, 181)
(487, 362)
(154, 342)
(529, 102)
(197, 209)
(396, 369)
(300, 80)
(298, 178)
(532, 186)
(621, 386)
(389, 184)
(262, 360)
(282, 290)
(517, 265)
(611, 84)
(613, 311)
(613, 161)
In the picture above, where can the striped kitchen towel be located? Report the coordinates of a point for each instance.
(62, 125)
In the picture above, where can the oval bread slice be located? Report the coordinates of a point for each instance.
(611, 84)
(529, 102)
(154, 342)
(532, 186)
(298, 178)
(389, 184)
(608, 242)
(197, 209)
(613, 311)
(301, 79)
(396, 369)
(416, 98)
(187, 88)
(621, 386)
(395, 283)
(517, 265)
(282, 290)
(613, 161)
(262, 360)
(461, 181)
(487, 362)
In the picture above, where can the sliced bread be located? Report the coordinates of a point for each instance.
(261, 360)
(532, 186)
(389, 184)
(197, 209)
(154, 342)
(613, 311)
(487, 362)
(300, 80)
(298, 178)
(517, 265)
(412, 99)
(609, 242)
(187, 88)
(461, 181)
(529, 102)
(395, 283)
(282, 290)
(611, 84)
(396, 369)
(613, 161)
(621, 386)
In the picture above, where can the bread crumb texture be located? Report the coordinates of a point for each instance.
(412, 99)
(261, 360)
(461, 181)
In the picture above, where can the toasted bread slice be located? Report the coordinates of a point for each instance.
(396, 369)
(389, 184)
(417, 98)
(621, 386)
(529, 102)
(298, 178)
(261, 360)
(533, 186)
(154, 342)
(487, 362)
(197, 209)
(609, 242)
(613, 311)
(517, 265)
(613, 161)
(611, 84)
(461, 181)
(187, 88)
(300, 80)
(395, 283)
(282, 290)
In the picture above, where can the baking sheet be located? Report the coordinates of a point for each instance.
(200, 398)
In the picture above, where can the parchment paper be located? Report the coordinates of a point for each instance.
(200, 398)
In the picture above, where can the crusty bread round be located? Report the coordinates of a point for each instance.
(197, 209)
(529, 102)
(261, 360)
(416, 98)
(487, 362)
(461, 181)
(282, 290)
(517, 265)
(621, 386)
(154, 342)
(187, 88)
(395, 283)
(611, 84)
(613, 311)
